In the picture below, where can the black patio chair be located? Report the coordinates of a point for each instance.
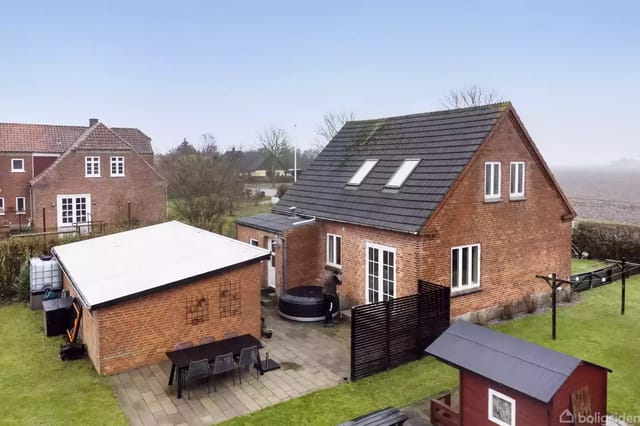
(248, 357)
(223, 364)
(207, 339)
(183, 345)
(197, 370)
(230, 334)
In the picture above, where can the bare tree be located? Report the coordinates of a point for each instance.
(470, 96)
(275, 144)
(331, 124)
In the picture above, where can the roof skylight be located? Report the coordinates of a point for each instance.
(362, 172)
(402, 173)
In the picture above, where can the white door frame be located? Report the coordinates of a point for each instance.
(74, 211)
(271, 267)
(381, 248)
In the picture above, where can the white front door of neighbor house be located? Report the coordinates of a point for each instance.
(73, 210)
(380, 273)
(271, 269)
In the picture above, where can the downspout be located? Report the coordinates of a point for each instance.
(284, 263)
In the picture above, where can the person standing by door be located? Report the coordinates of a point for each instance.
(330, 295)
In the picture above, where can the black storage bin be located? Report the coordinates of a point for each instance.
(57, 315)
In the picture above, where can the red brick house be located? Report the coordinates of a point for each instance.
(56, 177)
(459, 197)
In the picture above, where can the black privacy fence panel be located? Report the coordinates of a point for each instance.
(390, 333)
(603, 276)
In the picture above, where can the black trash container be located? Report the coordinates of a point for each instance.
(57, 315)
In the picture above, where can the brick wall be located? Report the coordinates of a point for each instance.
(109, 195)
(12, 185)
(89, 331)
(139, 331)
(518, 239)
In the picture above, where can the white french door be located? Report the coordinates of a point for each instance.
(380, 273)
(271, 269)
(73, 210)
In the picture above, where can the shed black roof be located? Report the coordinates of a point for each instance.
(444, 141)
(273, 222)
(520, 365)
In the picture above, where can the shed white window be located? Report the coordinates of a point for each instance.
(465, 267)
(117, 166)
(254, 243)
(334, 250)
(1, 205)
(20, 205)
(92, 166)
(17, 165)
(492, 180)
(502, 409)
(517, 180)
(402, 173)
(362, 172)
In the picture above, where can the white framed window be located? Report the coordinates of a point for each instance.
(362, 172)
(21, 205)
(492, 180)
(502, 409)
(402, 173)
(91, 166)
(516, 186)
(17, 165)
(254, 243)
(380, 272)
(117, 166)
(1, 205)
(334, 250)
(465, 267)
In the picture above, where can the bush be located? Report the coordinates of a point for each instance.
(530, 303)
(508, 310)
(608, 240)
(22, 284)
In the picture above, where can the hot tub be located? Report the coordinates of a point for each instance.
(305, 304)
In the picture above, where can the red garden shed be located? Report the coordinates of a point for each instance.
(507, 381)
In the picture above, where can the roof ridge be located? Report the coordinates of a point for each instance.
(504, 105)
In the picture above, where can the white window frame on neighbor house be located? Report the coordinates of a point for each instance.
(512, 404)
(17, 169)
(376, 270)
(24, 205)
(334, 250)
(362, 172)
(491, 184)
(403, 172)
(118, 163)
(254, 242)
(1, 205)
(516, 179)
(92, 166)
(74, 209)
(457, 283)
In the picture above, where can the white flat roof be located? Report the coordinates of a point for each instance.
(109, 268)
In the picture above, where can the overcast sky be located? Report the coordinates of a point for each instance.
(233, 68)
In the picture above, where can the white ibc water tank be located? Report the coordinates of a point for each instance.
(44, 273)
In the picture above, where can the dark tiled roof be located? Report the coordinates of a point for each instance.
(444, 141)
(525, 367)
(273, 222)
(44, 138)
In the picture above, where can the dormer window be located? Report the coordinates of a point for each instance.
(362, 172)
(402, 173)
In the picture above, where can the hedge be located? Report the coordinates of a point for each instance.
(603, 240)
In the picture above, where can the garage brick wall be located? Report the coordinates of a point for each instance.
(138, 332)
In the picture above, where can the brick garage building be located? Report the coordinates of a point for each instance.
(460, 197)
(508, 382)
(60, 177)
(145, 290)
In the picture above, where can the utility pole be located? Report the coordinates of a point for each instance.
(555, 283)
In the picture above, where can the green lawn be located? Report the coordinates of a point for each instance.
(592, 329)
(36, 388)
(579, 266)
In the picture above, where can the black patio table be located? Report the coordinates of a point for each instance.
(181, 358)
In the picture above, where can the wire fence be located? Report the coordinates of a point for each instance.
(603, 276)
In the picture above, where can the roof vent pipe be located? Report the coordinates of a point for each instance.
(292, 210)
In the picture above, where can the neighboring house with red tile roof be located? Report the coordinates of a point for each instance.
(56, 177)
